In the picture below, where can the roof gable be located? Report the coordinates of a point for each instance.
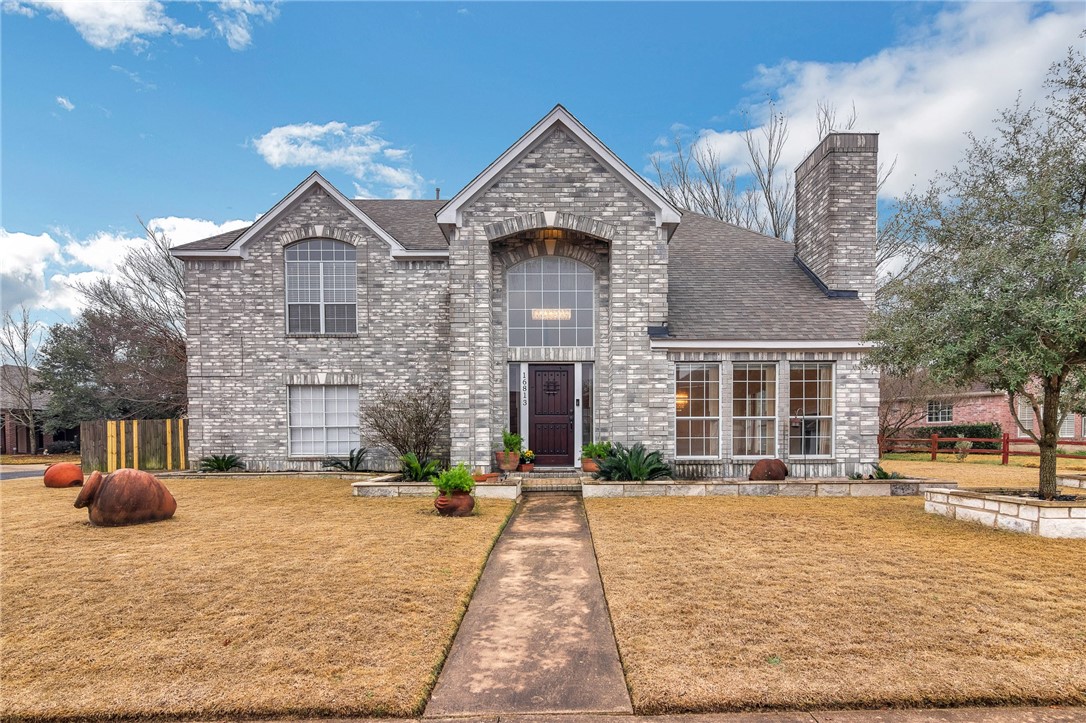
(451, 214)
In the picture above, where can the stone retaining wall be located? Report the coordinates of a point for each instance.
(1074, 481)
(788, 488)
(1009, 512)
(394, 486)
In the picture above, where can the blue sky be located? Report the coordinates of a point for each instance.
(200, 116)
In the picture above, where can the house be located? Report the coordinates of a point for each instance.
(17, 437)
(561, 296)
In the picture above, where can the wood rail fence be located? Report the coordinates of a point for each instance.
(936, 444)
(152, 444)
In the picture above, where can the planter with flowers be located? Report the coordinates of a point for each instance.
(527, 461)
(509, 457)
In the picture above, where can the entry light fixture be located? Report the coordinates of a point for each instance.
(552, 314)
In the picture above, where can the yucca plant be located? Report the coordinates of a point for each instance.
(877, 472)
(632, 463)
(353, 462)
(415, 471)
(221, 463)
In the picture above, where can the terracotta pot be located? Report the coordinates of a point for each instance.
(487, 477)
(526, 467)
(125, 497)
(588, 464)
(64, 474)
(507, 461)
(455, 504)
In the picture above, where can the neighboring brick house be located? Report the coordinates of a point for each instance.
(16, 437)
(560, 295)
(981, 405)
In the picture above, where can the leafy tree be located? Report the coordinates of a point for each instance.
(998, 293)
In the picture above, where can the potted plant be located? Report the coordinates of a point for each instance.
(455, 486)
(527, 461)
(592, 453)
(509, 457)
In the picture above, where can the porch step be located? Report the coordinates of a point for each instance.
(550, 484)
(551, 472)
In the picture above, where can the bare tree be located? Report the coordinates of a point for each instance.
(904, 400)
(827, 121)
(778, 191)
(19, 342)
(415, 420)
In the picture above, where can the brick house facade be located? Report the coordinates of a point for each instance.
(984, 406)
(560, 295)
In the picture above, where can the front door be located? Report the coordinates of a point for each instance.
(551, 414)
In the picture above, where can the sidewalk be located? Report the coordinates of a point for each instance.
(537, 636)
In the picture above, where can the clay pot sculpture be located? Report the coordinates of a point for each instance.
(64, 474)
(769, 469)
(455, 504)
(125, 497)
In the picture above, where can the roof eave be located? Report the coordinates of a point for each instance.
(761, 344)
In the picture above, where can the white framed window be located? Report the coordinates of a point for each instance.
(754, 410)
(940, 411)
(323, 420)
(810, 409)
(1067, 429)
(321, 294)
(551, 302)
(697, 410)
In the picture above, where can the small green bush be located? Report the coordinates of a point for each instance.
(962, 448)
(63, 447)
(634, 463)
(353, 462)
(221, 463)
(415, 471)
(596, 450)
(455, 479)
(511, 442)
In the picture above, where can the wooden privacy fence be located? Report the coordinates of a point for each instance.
(936, 444)
(153, 444)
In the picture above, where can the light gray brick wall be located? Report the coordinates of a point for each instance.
(241, 358)
(836, 212)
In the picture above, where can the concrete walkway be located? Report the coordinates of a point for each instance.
(21, 471)
(537, 637)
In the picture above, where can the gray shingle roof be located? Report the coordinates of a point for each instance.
(728, 283)
(411, 222)
(11, 386)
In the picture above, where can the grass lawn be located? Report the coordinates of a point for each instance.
(14, 459)
(274, 596)
(733, 603)
(973, 474)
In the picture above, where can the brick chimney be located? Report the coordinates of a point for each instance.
(836, 213)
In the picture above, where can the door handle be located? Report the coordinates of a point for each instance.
(571, 421)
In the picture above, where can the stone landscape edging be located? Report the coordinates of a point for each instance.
(791, 487)
(393, 485)
(1044, 518)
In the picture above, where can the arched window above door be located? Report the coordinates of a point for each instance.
(551, 302)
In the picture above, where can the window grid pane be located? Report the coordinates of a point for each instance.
(321, 288)
(754, 410)
(697, 410)
(322, 420)
(551, 303)
(940, 411)
(810, 408)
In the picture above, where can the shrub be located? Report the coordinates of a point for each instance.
(455, 479)
(415, 420)
(633, 463)
(353, 462)
(62, 447)
(221, 463)
(511, 442)
(877, 472)
(596, 450)
(415, 471)
(961, 449)
(981, 431)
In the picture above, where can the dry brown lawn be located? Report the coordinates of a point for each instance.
(260, 597)
(749, 603)
(15, 459)
(972, 475)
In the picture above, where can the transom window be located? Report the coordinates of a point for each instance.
(754, 410)
(321, 296)
(323, 420)
(697, 410)
(810, 409)
(940, 411)
(551, 303)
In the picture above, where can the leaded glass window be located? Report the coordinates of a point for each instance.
(697, 410)
(321, 295)
(551, 303)
(754, 410)
(810, 409)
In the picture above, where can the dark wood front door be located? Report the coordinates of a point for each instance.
(550, 413)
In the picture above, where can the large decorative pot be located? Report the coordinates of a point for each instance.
(588, 464)
(769, 469)
(508, 461)
(454, 504)
(63, 474)
(125, 497)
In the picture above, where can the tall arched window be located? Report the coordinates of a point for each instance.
(551, 303)
(321, 296)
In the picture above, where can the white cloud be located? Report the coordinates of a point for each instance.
(42, 272)
(356, 150)
(22, 272)
(923, 95)
(111, 24)
(234, 20)
(65, 103)
(141, 84)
